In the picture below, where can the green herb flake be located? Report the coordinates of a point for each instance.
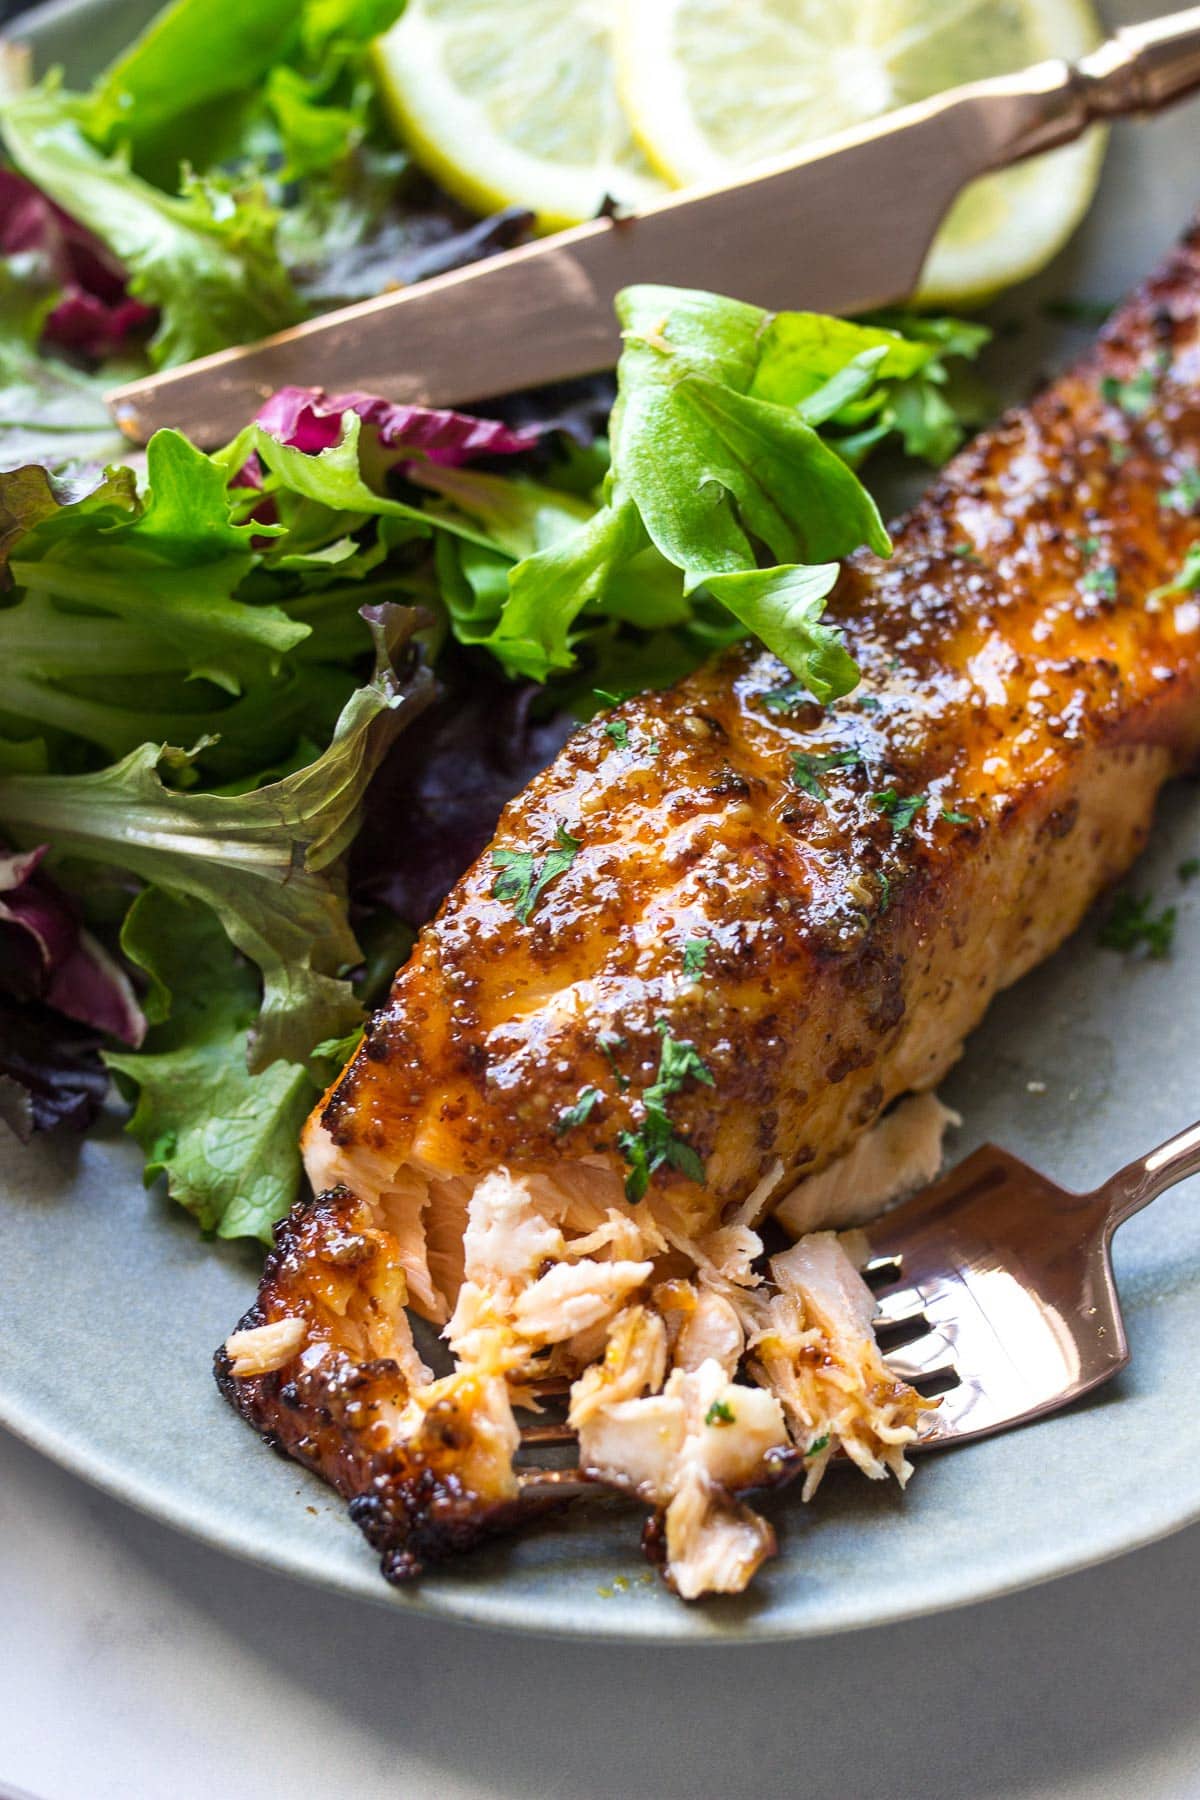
(869, 703)
(618, 731)
(1187, 871)
(1130, 926)
(720, 1413)
(1186, 581)
(885, 891)
(578, 1113)
(695, 955)
(817, 1445)
(1136, 396)
(966, 553)
(1101, 581)
(956, 818)
(901, 809)
(807, 770)
(523, 880)
(656, 1142)
(610, 1042)
(1183, 496)
(787, 698)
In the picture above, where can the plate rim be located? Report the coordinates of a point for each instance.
(488, 1609)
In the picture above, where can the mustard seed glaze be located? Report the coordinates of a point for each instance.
(1008, 656)
(1021, 674)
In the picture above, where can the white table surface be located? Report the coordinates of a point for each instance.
(138, 1665)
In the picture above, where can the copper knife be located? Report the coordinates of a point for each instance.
(844, 227)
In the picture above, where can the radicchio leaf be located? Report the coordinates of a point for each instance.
(93, 315)
(50, 1072)
(47, 954)
(310, 420)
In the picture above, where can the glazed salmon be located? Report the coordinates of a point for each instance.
(710, 945)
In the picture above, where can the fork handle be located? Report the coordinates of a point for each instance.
(1144, 1180)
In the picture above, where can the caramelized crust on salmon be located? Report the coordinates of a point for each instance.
(748, 924)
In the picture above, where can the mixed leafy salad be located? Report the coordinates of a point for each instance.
(259, 709)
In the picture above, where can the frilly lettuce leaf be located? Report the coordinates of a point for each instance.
(268, 862)
(731, 495)
(206, 257)
(226, 1139)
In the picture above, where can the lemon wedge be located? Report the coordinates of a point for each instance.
(714, 86)
(514, 104)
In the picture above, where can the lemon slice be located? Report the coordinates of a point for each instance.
(712, 86)
(514, 103)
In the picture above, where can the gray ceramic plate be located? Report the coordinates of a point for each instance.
(112, 1305)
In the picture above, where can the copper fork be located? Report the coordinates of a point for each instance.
(996, 1293)
(996, 1287)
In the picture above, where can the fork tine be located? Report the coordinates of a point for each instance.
(548, 1433)
(922, 1359)
(561, 1484)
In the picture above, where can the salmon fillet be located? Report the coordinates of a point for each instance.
(709, 946)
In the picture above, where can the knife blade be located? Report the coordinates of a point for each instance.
(843, 228)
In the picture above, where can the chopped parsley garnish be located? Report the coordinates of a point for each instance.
(1188, 870)
(1184, 496)
(1088, 546)
(901, 809)
(869, 703)
(616, 729)
(786, 699)
(1131, 926)
(656, 1142)
(1102, 581)
(817, 1445)
(720, 1413)
(807, 770)
(523, 880)
(577, 1114)
(966, 553)
(695, 955)
(1135, 397)
(610, 1042)
(885, 891)
(1187, 580)
(956, 818)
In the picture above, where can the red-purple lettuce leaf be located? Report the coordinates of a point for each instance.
(310, 420)
(93, 314)
(50, 1071)
(47, 954)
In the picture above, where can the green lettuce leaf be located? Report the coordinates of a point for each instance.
(207, 257)
(226, 1139)
(268, 862)
(128, 617)
(783, 607)
(725, 511)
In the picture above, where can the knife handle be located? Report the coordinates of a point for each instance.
(1144, 67)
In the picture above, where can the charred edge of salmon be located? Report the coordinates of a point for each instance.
(411, 1504)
